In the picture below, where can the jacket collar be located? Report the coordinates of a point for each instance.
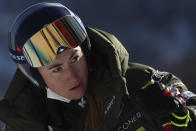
(55, 96)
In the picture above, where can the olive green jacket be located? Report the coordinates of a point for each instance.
(24, 108)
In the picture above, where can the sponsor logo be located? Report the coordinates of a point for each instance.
(109, 105)
(141, 129)
(130, 121)
(158, 76)
(17, 57)
(61, 49)
(82, 103)
(18, 49)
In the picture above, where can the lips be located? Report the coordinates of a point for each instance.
(76, 87)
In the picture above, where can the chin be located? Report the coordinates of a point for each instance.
(78, 96)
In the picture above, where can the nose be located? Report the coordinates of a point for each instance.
(71, 74)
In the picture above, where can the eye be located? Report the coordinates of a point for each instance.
(74, 59)
(57, 69)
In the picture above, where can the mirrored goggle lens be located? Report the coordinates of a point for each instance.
(41, 48)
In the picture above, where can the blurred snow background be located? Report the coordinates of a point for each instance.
(157, 33)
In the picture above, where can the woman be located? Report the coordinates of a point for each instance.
(76, 78)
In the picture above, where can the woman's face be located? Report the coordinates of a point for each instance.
(67, 75)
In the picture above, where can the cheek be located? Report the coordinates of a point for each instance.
(54, 82)
(59, 86)
(50, 81)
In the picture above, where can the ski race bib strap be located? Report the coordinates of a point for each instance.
(41, 48)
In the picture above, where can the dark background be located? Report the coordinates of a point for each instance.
(159, 33)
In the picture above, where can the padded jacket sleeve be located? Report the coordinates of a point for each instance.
(138, 75)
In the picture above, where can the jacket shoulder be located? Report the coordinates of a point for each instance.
(17, 84)
(22, 101)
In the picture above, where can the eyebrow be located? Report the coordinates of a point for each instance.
(53, 66)
(56, 65)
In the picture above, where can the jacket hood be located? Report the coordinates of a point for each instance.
(110, 47)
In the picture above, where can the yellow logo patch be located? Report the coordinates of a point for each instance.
(141, 129)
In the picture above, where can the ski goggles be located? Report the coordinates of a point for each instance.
(41, 48)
